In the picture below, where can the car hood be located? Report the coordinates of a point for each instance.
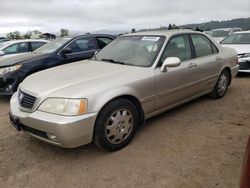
(240, 48)
(19, 59)
(58, 81)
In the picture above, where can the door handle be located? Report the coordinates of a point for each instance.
(218, 58)
(192, 65)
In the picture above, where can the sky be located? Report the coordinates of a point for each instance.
(96, 15)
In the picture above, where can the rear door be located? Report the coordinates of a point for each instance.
(207, 62)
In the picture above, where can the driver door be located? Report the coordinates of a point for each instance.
(177, 83)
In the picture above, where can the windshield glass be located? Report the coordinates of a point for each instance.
(237, 38)
(3, 44)
(52, 46)
(132, 50)
(219, 33)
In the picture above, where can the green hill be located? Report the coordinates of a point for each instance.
(243, 23)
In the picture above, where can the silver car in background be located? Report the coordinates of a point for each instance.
(240, 41)
(221, 33)
(107, 98)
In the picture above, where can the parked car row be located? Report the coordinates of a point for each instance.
(13, 70)
(107, 98)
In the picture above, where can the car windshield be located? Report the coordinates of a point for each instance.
(132, 50)
(3, 44)
(237, 38)
(219, 33)
(52, 46)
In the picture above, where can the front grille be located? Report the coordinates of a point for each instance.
(26, 100)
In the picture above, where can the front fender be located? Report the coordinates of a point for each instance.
(98, 101)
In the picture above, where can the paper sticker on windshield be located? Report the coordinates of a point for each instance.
(151, 38)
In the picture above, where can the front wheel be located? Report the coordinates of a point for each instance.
(116, 125)
(221, 86)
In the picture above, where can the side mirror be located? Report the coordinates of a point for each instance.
(66, 50)
(170, 62)
(2, 53)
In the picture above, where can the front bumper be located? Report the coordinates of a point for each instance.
(244, 65)
(9, 83)
(234, 70)
(63, 131)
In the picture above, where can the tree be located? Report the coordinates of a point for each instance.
(27, 35)
(169, 26)
(14, 35)
(64, 32)
(36, 32)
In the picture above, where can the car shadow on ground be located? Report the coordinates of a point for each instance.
(5, 99)
(243, 75)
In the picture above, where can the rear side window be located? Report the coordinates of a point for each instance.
(82, 44)
(17, 48)
(177, 47)
(36, 45)
(202, 46)
(103, 41)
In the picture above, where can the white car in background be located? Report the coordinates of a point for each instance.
(15, 47)
(220, 34)
(240, 41)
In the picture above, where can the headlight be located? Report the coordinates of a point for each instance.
(6, 70)
(65, 107)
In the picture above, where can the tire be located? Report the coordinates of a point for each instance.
(221, 86)
(116, 125)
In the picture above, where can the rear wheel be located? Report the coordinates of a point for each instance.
(221, 86)
(116, 125)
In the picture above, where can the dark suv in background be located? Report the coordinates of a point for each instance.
(13, 70)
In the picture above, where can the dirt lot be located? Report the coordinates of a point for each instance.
(200, 144)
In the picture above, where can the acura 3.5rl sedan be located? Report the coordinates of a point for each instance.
(107, 98)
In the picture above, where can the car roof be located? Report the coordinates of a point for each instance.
(25, 40)
(226, 29)
(248, 31)
(92, 35)
(165, 33)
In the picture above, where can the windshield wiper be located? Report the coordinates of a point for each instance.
(114, 61)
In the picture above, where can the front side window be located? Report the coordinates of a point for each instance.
(238, 38)
(177, 47)
(82, 44)
(17, 48)
(132, 50)
(202, 45)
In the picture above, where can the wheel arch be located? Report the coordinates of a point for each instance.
(230, 73)
(129, 97)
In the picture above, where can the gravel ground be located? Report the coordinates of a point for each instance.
(200, 144)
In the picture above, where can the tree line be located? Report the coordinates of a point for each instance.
(17, 34)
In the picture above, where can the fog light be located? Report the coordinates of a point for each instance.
(52, 137)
